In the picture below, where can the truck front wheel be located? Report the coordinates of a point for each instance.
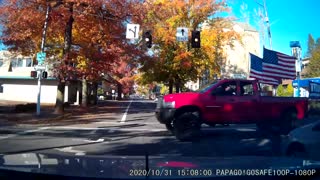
(187, 126)
(169, 127)
(288, 121)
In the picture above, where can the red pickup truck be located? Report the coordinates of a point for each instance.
(228, 101)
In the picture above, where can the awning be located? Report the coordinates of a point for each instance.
(305, 82)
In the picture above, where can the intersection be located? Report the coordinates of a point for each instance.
(130, 128)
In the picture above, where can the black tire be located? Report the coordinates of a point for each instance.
(297, 151)
(187, 126)
(169, 127)
(288, 122)
(264, 128)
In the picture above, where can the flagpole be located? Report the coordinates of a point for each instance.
(274, 87)
(266, 19)
(268, 23)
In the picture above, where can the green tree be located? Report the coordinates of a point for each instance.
(289, 90)
(285, 92)
(311, 44)
(280, 90)
(313, 69)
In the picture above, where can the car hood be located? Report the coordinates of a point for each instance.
(142, 166)
(181, 96)
(301, 130)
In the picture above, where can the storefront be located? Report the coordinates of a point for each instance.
(309, 87)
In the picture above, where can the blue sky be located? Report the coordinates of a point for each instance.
(291, 20)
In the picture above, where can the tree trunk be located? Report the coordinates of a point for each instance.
(177, 87)
(119, 91)
(94, 93)
(84, 100)
(170, 87)
(59, 108)
(68, 32)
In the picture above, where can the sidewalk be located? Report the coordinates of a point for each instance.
(72, 115)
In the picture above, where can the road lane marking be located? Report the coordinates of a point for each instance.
(123, 119)
(127, 123)
(110, 129)
(71, 150)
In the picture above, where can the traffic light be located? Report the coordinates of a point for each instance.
(44, 74)
(148, 39)
(195, 39)
(33, 74)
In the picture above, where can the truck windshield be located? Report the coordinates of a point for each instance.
(206, 87)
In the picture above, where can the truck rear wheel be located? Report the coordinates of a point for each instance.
(187, 126)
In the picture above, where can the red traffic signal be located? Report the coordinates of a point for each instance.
(33, 74)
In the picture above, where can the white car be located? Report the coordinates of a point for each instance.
(304, 142)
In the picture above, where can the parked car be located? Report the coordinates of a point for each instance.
(303, 142)
(228, 101)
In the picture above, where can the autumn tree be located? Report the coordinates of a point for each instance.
(173, 62)
(85, 38)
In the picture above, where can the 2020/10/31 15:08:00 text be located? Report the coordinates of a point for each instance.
(222, 172)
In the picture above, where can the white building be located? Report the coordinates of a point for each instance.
(237, 58)
(16, 84)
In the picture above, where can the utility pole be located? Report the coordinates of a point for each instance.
(266, 19)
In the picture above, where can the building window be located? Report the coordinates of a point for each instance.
(28, 62)
(17, 62)
(1, 62)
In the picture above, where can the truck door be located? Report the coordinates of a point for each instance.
(221, 103)
(247, 102)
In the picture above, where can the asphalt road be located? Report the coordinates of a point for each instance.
(130, 128)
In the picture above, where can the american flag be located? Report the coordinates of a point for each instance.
(256, 71)
(277, 65)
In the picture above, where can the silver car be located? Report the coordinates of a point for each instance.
(304, 142)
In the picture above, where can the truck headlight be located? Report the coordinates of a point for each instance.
(169, 104)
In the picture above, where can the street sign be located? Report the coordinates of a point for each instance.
(40, 68)
(182, 34)
(239, 76)
(132, 31)
(41, 57)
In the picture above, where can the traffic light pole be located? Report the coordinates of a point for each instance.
(39, 92)
(39, 68)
